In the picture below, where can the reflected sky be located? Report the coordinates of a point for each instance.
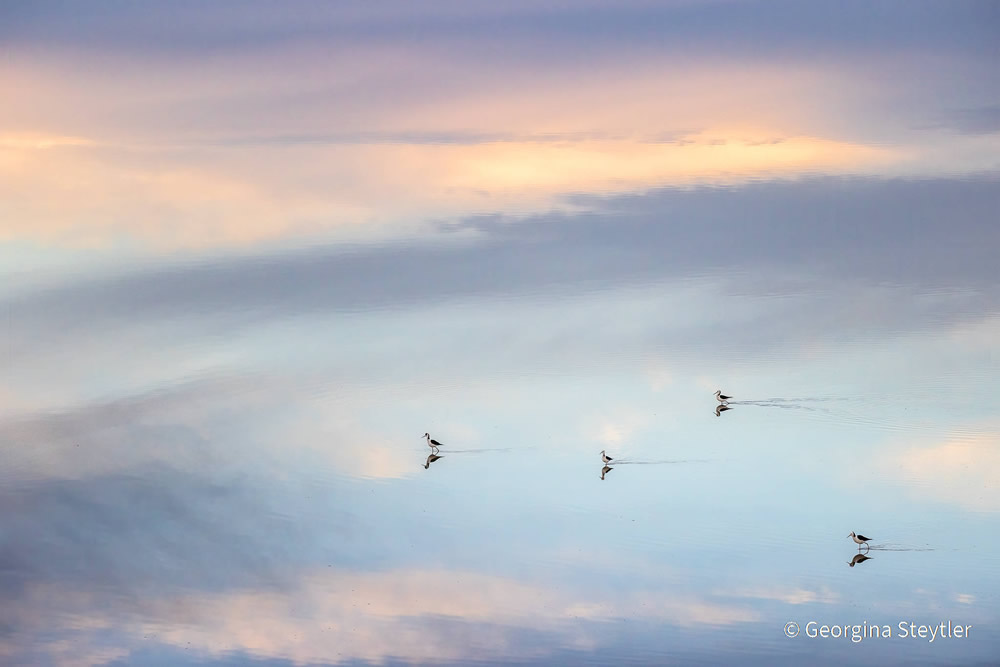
(250, 255)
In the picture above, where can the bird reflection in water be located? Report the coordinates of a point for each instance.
(719, 409)
(605, 470)
(859, 558)
(431, 458)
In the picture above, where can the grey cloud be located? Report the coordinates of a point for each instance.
(924, 234)
(147, 528)
(146, 493)
(207, 44)
(981, 120)
(752, 27)
(850, 259)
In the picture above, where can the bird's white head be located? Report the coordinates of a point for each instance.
(426, 435)
(718, 391)
(602, 451)
(852, 534)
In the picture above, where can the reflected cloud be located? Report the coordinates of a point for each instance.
(425, 615)
(946, 269)
(659, 374)
(615, 426)
(964, 471)
(348, 124)
(980, 120)
(72, 195)
(95, 438)
(794, 596)
(377, 462)
(250, 254)
(36, 141)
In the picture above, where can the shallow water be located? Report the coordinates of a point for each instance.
(190, 479)
(249, 256)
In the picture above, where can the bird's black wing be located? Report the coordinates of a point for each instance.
(436, 443)
(863, 538)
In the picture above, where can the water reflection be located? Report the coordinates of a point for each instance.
(173, 487)
(859, 558)
(335, 545)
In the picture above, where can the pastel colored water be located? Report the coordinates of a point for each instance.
(232, 305)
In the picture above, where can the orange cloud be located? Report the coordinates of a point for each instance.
(373, 616)
(37, 141)
(70, 195)
(175, 156)
(964, 470)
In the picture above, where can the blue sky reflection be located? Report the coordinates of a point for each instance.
(250, 255)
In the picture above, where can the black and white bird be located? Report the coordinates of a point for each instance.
(605, 470)
(859, 540)
(860, 558)
(605, 457)
(431, 458)
(719, 409)
(433, 444)
(722, 398)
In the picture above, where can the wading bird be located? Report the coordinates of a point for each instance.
(605, 457)
(859, 540)
(721, 398)
(433, 444)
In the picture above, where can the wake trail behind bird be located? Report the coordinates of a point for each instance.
(615, 462)
(477, 451)
(897, 547)
(772, 404)
(778, 401)
(806, 399)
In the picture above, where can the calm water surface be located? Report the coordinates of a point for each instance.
(250, 255)
(222, 462)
